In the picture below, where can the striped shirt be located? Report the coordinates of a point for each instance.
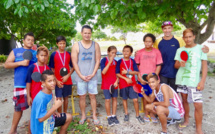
(174, 102)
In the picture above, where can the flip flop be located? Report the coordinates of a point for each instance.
(180, 127)
(96, 122)
(154, 120)
(82, 121)
(146, 119)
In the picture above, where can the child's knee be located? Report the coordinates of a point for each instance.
(135, 100)
(107, 100)
(198, 106)
(68, 117)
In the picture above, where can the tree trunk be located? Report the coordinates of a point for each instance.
(197, 28)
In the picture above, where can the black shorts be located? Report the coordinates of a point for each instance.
(60, 121)
(169, 81)
(63, 92)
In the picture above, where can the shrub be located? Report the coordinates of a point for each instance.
(3, 58)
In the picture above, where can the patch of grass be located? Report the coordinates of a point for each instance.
(211, 60)
(86, 128)
(211, 74)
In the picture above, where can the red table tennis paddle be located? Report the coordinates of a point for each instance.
(137, 88)
(184, 56)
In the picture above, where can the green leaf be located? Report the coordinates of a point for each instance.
(97, 8)
(16, 1)
(46, 3)
(113, 14)
(26, 9)
(20, 12)
(143, 15)
(50, 1)
(42, 7)
(16, 11)
(8, 3)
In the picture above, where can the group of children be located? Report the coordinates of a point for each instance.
(159, 99)
(29, 91)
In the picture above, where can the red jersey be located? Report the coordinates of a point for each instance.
(110, 77)
(58, 63)
(35, 86)
(129, 64)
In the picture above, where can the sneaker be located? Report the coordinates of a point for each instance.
(141, 120)
(170, 122)
(110, 121)
(115, 120)
(126, 117)
(163, 132)
(178, 120)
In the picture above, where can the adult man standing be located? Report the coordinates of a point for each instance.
(168, 46)
(86, 57)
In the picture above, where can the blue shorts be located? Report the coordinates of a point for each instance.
(63, 92)
(84, 87)
(173, 113)
(147, 88)
(128, 92)
(108, 95)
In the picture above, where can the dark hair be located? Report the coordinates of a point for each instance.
(151, 36)
(110, 48)
(42, 48)
(128, 46)
(60, 38)
(45, 73)
(152, 75)
(28, 34)
(87, 27)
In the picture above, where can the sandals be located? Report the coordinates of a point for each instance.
(96, 122)
(180, 126)
(146, 119)
(82, 121)
(154, 120)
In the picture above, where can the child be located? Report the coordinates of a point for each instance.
(108, 68)
(169, 104)
(60, 60)
(148, 60)
(15, 60)
(126, 69)
(32, 86)
(43, 115)
(187, 78)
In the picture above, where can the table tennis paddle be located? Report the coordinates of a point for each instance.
(112, 89)
(184, 56)
(27, 55)
(36, 76)
(63, 71)
(137, 88)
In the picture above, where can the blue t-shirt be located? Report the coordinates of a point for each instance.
(168, 50)
(20, 72)
(41, 104)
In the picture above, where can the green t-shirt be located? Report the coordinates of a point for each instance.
(190, 74)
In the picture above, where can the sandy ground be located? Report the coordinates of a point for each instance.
(133, 127)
